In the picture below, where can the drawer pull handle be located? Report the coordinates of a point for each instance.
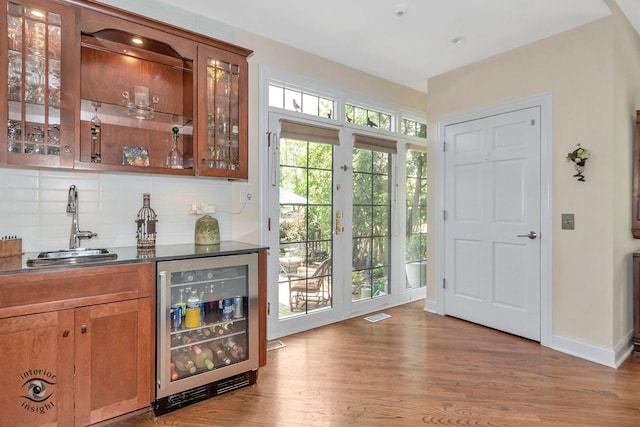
(66, 332)
(83, 328)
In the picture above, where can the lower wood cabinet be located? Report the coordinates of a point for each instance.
(112, 359)
(37, 356)
(88, 357)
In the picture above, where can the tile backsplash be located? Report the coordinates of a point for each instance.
(33, 206)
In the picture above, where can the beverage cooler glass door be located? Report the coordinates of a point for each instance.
(207, 321)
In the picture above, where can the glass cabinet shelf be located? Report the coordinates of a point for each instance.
(132, 116)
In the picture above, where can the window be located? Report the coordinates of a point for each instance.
(416, 227)
(366, 117)
(365, 142)
(371, 206)
(306, 205)
(300, 101)
(413, 128)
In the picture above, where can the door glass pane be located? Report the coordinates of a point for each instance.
(416, 228)
(371, 229)
(306, 207)
(222, 114)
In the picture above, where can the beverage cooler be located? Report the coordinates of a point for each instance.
(207, 328)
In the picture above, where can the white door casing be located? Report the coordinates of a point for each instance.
(492, 195)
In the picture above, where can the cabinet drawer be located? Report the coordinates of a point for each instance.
(46, 290)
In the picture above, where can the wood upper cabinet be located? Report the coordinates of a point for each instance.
(635, 198)
(222, 113)
(39, 83)
(97, 88)
(77, 344)
(141, 79)
(136, 85)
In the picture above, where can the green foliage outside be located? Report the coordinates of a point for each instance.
(416, 233)
(306, 222)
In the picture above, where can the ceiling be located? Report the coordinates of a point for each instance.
(409, 49)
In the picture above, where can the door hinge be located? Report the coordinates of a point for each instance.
(268, 308)
(444, 215)
(269, 224)
(268, 139)
(444, 147)
(444, 283)
(533, 122)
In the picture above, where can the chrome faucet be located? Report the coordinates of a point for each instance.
(72, 208)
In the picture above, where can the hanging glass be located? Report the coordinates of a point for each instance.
(96, 137)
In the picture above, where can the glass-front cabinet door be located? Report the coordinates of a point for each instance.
(222, 113)
(39, 122)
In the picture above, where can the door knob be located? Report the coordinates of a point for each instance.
(532, 235)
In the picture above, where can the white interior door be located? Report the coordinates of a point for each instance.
(492, 224)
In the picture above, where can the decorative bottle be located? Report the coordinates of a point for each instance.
(174, 158)
(146, 221)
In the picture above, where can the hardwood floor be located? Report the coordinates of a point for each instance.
(418, 368)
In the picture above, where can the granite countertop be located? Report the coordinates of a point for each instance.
(130, 255)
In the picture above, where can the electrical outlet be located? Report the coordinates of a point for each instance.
(246, 197)
(568, 222)
(208, 208)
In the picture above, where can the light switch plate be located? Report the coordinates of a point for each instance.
(568, 222)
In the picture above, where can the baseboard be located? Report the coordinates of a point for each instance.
(431, 306)
(611, 357)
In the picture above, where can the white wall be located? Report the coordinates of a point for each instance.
(34, 206)
(33, 202)
(626, 98)
(579, 68)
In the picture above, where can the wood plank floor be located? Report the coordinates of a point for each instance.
(418, 368)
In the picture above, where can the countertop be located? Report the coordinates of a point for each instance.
(130, 255)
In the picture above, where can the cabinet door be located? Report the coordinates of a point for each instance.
(222, 114)
(41, 79)
(113, 359)
(37, 360)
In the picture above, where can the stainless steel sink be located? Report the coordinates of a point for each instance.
(70, 256)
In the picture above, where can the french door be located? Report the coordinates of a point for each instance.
(330, 208)
(305, 205)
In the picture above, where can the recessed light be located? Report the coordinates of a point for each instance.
(136, 40)
(458, 40)
(400, 9)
